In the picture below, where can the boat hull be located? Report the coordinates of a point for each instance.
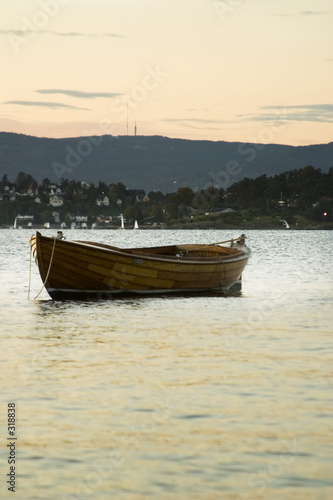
(85, 270)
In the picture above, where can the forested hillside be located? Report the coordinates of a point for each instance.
(153, 163)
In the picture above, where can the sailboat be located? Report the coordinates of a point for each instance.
(122, 222)
(16, 224)
(136, 225)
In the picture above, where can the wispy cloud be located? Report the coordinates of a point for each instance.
(52, 105)
(197, 123)
(196, 120)
(304, 13)
(197, 109)
(315, 12)
(29, 33)
(80, 94)
(268, 114)
(300, 113)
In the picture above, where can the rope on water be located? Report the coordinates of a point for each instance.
(48, 271)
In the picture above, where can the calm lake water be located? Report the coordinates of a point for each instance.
(177, 397)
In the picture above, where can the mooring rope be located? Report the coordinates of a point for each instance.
(48, 271)
(29, 274)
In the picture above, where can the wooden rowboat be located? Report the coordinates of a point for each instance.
(83, 269)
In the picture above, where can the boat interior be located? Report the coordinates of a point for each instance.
(191, 250)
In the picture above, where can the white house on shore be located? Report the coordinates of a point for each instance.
(102, 199)
(56, 200)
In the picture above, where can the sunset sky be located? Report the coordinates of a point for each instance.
(233, 70)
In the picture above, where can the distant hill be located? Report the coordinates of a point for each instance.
(153, 162)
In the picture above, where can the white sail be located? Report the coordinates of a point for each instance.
(136, 225)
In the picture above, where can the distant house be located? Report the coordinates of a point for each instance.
(7, 193)
(78, 221)
(56, 217)
(29, 192)
(56, 200)
(54, 189)
(78, 218)
(23, 221)
(102, 199)
(103, 220)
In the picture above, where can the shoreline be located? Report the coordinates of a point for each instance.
(320, 227)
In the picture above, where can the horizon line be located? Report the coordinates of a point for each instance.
(163, 136)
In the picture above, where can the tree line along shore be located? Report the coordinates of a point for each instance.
(298, 199)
